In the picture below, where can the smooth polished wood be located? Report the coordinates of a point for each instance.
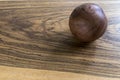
(36, 35)
(11, 73)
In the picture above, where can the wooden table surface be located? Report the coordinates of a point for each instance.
(36, 43)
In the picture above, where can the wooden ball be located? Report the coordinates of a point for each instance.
(88, 22)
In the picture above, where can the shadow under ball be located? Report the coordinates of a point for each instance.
(88, 22)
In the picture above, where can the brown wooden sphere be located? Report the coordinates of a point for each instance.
(88, 22)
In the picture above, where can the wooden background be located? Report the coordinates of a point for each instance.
(36, 35)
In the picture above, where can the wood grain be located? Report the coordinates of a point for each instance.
(35, 34)
(12, 73)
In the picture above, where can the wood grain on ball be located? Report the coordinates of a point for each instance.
(88, 22)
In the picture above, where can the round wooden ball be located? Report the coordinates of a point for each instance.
(88, 22)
